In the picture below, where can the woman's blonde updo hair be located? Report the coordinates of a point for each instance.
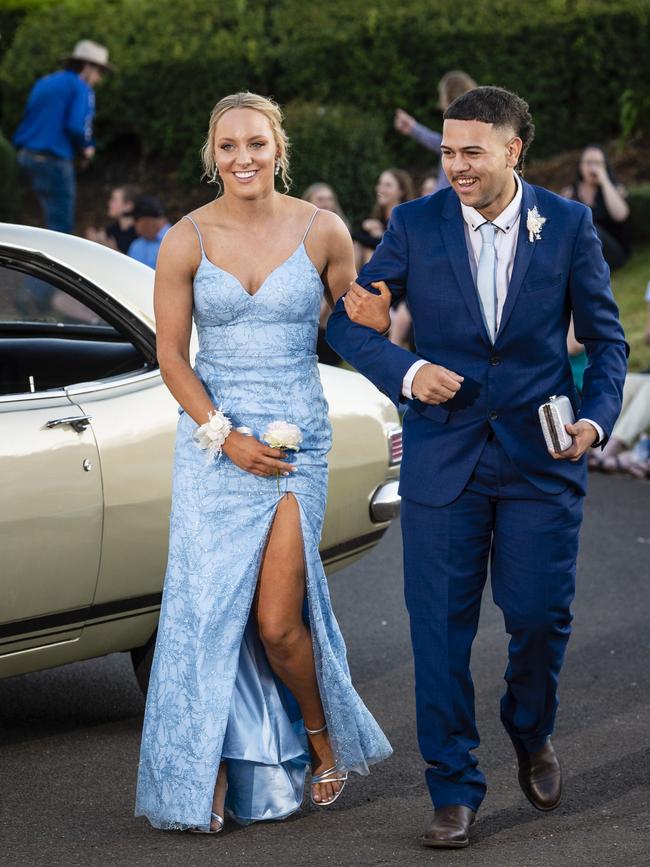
(270, 109)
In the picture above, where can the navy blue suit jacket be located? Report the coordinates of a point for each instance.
(424, 259)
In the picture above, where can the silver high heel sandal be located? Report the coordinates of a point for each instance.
(331, 775)
(214, 817)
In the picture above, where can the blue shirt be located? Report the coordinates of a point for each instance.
(146, 251)
(58, 116)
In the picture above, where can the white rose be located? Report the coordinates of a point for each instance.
(282, 435)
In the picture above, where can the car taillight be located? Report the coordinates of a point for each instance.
(395, 447)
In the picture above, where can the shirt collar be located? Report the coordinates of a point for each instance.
(507, 219)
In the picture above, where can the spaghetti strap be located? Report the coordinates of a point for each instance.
(313, 217)
(198, 232)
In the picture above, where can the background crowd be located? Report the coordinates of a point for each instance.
(55, 136)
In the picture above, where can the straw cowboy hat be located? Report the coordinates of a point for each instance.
(91, 52)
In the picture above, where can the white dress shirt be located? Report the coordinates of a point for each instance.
(505, 244)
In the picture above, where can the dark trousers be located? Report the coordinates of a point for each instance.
(53, 181)
(530, 540)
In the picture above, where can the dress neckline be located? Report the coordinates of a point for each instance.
(264, 282)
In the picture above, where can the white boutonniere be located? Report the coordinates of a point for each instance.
(534, 224)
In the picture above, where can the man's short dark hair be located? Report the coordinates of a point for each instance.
(497, 106)
(147, 206)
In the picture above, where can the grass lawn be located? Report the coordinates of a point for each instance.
(629, 285)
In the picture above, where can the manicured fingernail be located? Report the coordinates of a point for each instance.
(285, 474)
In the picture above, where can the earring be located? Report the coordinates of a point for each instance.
(277, 167)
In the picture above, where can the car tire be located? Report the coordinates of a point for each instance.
(142, 657)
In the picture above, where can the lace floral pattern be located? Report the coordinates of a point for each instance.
(257, 360)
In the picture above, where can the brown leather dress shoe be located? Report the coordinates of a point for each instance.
(540, 776)
(450, 827)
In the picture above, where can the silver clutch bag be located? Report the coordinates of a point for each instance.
(553, 415)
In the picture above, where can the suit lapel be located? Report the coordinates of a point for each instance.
(453, 236)
(523, 255)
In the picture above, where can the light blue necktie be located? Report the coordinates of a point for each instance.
(486, 278)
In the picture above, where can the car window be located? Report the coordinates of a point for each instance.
(29, 299)
(50, 340)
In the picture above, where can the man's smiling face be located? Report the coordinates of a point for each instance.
(478, 158)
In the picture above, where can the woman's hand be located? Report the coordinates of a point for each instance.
(255, 457)
(599, 174)
(366, 308)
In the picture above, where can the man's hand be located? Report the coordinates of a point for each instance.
(366, 308)
(434, 384)
(584, 436)
(404, 123)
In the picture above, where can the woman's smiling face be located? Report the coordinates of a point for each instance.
(245, 152)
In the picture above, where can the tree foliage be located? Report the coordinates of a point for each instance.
(340, 68)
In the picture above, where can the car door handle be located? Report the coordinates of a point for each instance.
(78, 422)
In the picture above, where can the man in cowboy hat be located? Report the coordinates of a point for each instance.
(58, 121)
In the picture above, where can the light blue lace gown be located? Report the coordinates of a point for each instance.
(212, 694)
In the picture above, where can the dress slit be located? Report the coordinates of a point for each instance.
(253, 799)
(258, 789)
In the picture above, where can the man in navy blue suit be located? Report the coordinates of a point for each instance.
(492, 270)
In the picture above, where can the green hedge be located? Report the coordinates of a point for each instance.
(10, 186)
(341, 65)
(639, 200)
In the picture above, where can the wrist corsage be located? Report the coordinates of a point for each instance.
(212, 435)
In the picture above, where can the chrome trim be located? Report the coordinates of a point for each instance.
(81, 388)
(25, 650)
(36, 395)
(385, 502)
(104, 385)
(389, 434)
(77, 422)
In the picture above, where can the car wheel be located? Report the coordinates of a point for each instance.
(142, 657)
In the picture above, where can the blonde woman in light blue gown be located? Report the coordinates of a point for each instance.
(250, 685)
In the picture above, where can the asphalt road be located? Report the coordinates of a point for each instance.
(69, 738)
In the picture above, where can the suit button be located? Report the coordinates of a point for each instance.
(493, 416)
(495, 360)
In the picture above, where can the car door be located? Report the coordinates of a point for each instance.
(51, 501)
(134, 420)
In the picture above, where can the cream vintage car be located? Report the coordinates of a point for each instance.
(86, 438)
